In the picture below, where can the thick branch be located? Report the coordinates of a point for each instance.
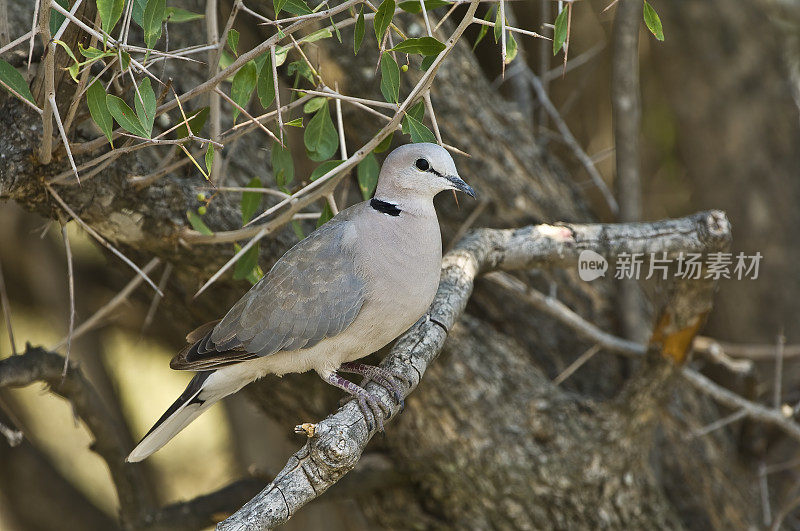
(37, 364)
(338, 441)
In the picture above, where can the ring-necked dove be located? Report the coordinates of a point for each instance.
(345, 291)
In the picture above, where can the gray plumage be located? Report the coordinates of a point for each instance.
(345, 291)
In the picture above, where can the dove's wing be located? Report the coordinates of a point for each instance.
(313, 292)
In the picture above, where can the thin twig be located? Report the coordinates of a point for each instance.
(162, 284)
(99, 238)
(717, 424)
(107, 308)
(577, 364)
(776, 397)
(71, 283)
(57, 116)
(7, 311)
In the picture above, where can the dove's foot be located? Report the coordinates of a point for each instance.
(372, 408)
(380, 375)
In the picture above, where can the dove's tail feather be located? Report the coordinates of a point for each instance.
(198, 396)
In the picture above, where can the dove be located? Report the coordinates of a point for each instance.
(345, 291)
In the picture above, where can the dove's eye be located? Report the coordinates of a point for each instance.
(422, 165)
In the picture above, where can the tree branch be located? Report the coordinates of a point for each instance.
(37, 364)
(336, 443)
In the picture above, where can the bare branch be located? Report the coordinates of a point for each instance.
(339, 440)
(7, 311)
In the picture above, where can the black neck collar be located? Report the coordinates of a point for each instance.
(384, 207)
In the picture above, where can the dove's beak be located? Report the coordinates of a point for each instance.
(459, 184)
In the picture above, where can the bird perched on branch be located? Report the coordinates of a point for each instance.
(345, 291)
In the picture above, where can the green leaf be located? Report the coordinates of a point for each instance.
(324, 33)
(358, 37)
(390, 79)
(250, 200)
(367, 172)
(302, 69)
(247, 262)
(98, 108)
(497, 26)
(385, 143)
(110, 12)
(196, 122)
(178, 15)
(326, 215)
(560, 32)
(324, 168)
(314, 104)
(75, 66)
(419, 131)
(417, 112)
(11, 77)
(93, 54)
(320, 137)
(197, 223)
(297, 7)
(244, 83)
(125, 116)
(282, 164)
(484, 29)
(137, 14)
(56, 18)
(423, 45)
(233, 41)
(146, 106)
(336, 28)
(511, 48)
(383, 18)
(151, 21)
(266, 83)
(412, 6)
(427, 62)
(653, 22)
(209, 159)
(277, 6)
(297, 122)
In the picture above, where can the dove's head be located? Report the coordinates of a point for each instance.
(419, 170)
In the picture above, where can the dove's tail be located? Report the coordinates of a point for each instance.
(202, 391)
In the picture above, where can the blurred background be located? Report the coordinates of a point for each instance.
(720, 130)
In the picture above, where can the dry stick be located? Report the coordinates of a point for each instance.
(71, 279)
(24, 100)
(54, 107)
(247, 115)
(34, 31)
(732, 400)
(513, 29)
(65, 22)
(107, 308)
(754, 352)
(7, 311)
(766, 511)
(776, 398)
(277, 90)
(446, 16)
(336, 95)
(214, 104)
(268, 191)
(473, 216)
(14, 437)
(434, 123)
(425, 16)
(328, 181)
(570, 140)
(46, 147)
(100, 239)
(577, 364)
(162, 284)
(126, 22)
(717, 424)
(14, 43)
(572, 64)
(76, 99)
